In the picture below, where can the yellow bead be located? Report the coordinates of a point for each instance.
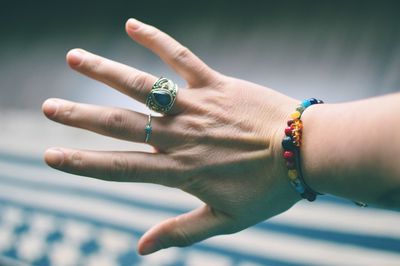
(295, 115)
(292, 174)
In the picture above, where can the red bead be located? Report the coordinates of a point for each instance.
(288, 155)
(288, 131)
(289, 122)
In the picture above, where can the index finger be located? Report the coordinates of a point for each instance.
(128, 80)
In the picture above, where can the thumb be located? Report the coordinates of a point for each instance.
(185, 230)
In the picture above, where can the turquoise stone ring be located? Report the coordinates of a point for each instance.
(162, 96)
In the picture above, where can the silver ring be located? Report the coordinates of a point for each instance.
(162, 96)
(148, 129)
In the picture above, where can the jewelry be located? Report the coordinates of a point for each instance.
(148, 129)
(291, 144)
(162, 96)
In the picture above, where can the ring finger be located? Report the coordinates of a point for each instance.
(114, 122)
(116, 166)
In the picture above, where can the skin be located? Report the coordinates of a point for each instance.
(221, 142)
(360, 153)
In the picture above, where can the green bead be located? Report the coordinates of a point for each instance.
(300, 108)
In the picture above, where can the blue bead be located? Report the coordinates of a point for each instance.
(310, 196)
(313, 100)
(306, 103)
(300, 189)
(287, 143)
(162, 98)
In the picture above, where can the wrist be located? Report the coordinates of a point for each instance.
(291, 145)
(327, 154)
(310, 163)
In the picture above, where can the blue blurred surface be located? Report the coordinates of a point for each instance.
(334, 50)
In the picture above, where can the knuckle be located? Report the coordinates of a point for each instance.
(76, 160)
(191, 127)
(114, 121)
(137, 83)
(119, 168)
(182, 238)
(186, 173)
(67, 112)
(152, 34)
(171, 174)
(174, 234)
(93, 63)
(182, 54)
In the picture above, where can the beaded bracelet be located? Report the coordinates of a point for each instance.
(291, 144)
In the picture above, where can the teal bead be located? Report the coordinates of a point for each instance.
(306, 103)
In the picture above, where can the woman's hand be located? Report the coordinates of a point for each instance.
(220, 142)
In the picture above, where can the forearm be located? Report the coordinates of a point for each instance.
(352, 149)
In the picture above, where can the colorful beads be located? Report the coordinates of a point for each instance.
(306, 103)
(287, 143)
(300, 108)
(291, 144)
(292, 173)
(288, 155)
(288, 131)
(296, 115)
(290, 165)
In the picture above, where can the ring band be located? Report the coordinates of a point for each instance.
(148, 129)
(162, 96)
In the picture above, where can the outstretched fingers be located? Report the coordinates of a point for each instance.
(128, 80)
(177, 56)
(142, 167)
(113, 122)
(185, 230)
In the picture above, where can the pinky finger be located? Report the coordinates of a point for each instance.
(115, 166)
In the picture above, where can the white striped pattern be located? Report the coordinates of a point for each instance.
(254, 241)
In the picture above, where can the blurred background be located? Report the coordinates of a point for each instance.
(335, 50)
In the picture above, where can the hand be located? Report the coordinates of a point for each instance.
(220, 142)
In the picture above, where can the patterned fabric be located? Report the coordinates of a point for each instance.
(51, 218)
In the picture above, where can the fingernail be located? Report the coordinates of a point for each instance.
(50, 107)
(75, 57)
(133, 24)
(54, 157)
(149, 247)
